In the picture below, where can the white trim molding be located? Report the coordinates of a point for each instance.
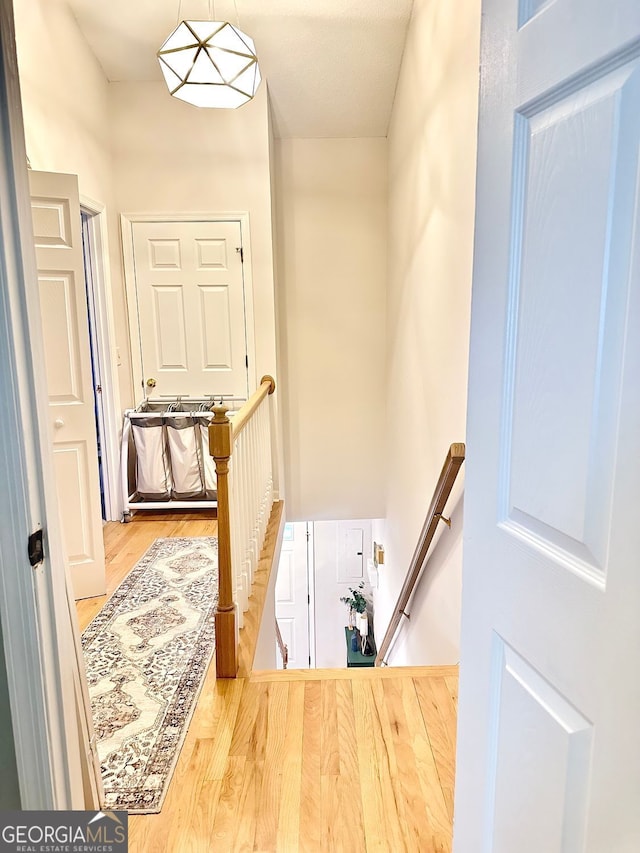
(107, 356)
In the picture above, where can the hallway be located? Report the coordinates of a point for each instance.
(315, 760)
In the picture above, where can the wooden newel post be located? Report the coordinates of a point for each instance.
(220, 446)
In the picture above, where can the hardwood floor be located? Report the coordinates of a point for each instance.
(124, 544)
(308, 760)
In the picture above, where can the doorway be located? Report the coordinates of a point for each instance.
(105, 357)
(294, 587)
(90, 260)
(319, 562)
(341, 549)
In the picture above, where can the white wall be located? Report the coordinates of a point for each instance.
(331, 222)
(172, 157)
(432, 148)
(64, 97)
(277, 408)
(66, 122)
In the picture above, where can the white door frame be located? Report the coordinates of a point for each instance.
(105, 338)
(311, 592)
(126, 223)
(37, 629)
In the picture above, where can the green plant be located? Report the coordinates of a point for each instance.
(356, 601)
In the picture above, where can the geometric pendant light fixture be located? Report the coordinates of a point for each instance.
(210, 64)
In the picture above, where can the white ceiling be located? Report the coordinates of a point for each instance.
(331, 65)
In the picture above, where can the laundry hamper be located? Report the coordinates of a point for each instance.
(165, 461)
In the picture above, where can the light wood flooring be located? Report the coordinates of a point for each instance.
(303, 760)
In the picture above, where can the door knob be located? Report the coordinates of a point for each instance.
(58, 423)
(151, 382)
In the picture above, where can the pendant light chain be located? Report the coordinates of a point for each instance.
(235, 6)
(212, 10)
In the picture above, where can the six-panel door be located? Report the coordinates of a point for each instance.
(550, 687)
(65, 331)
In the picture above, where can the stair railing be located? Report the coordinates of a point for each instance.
(450, 469)
(282, 646)
(241, 447)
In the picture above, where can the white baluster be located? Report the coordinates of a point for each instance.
(255, 537)
(242, 561)
(233, 512)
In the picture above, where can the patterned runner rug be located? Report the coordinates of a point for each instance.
(146, 654)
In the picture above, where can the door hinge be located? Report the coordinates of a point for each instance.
(246, 361)
(308, 599)
(240, 251)
(309, 660)
(35, 548)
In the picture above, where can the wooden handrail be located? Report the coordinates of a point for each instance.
(242, 418)
(221, 437)
(284, 651)
(450, 469)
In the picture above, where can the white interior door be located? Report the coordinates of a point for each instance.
(549, 741)
(340, 552)
(189, 308)
(65, 333)
(292, 595)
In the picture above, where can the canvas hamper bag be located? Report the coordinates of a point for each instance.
(153, 473)
(185, 453)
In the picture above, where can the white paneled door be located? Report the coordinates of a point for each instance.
(292, 595)
(189, 308)
(549, 741)
(340, 552)
(65, 332)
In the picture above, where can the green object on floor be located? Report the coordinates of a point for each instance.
(357, 658)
